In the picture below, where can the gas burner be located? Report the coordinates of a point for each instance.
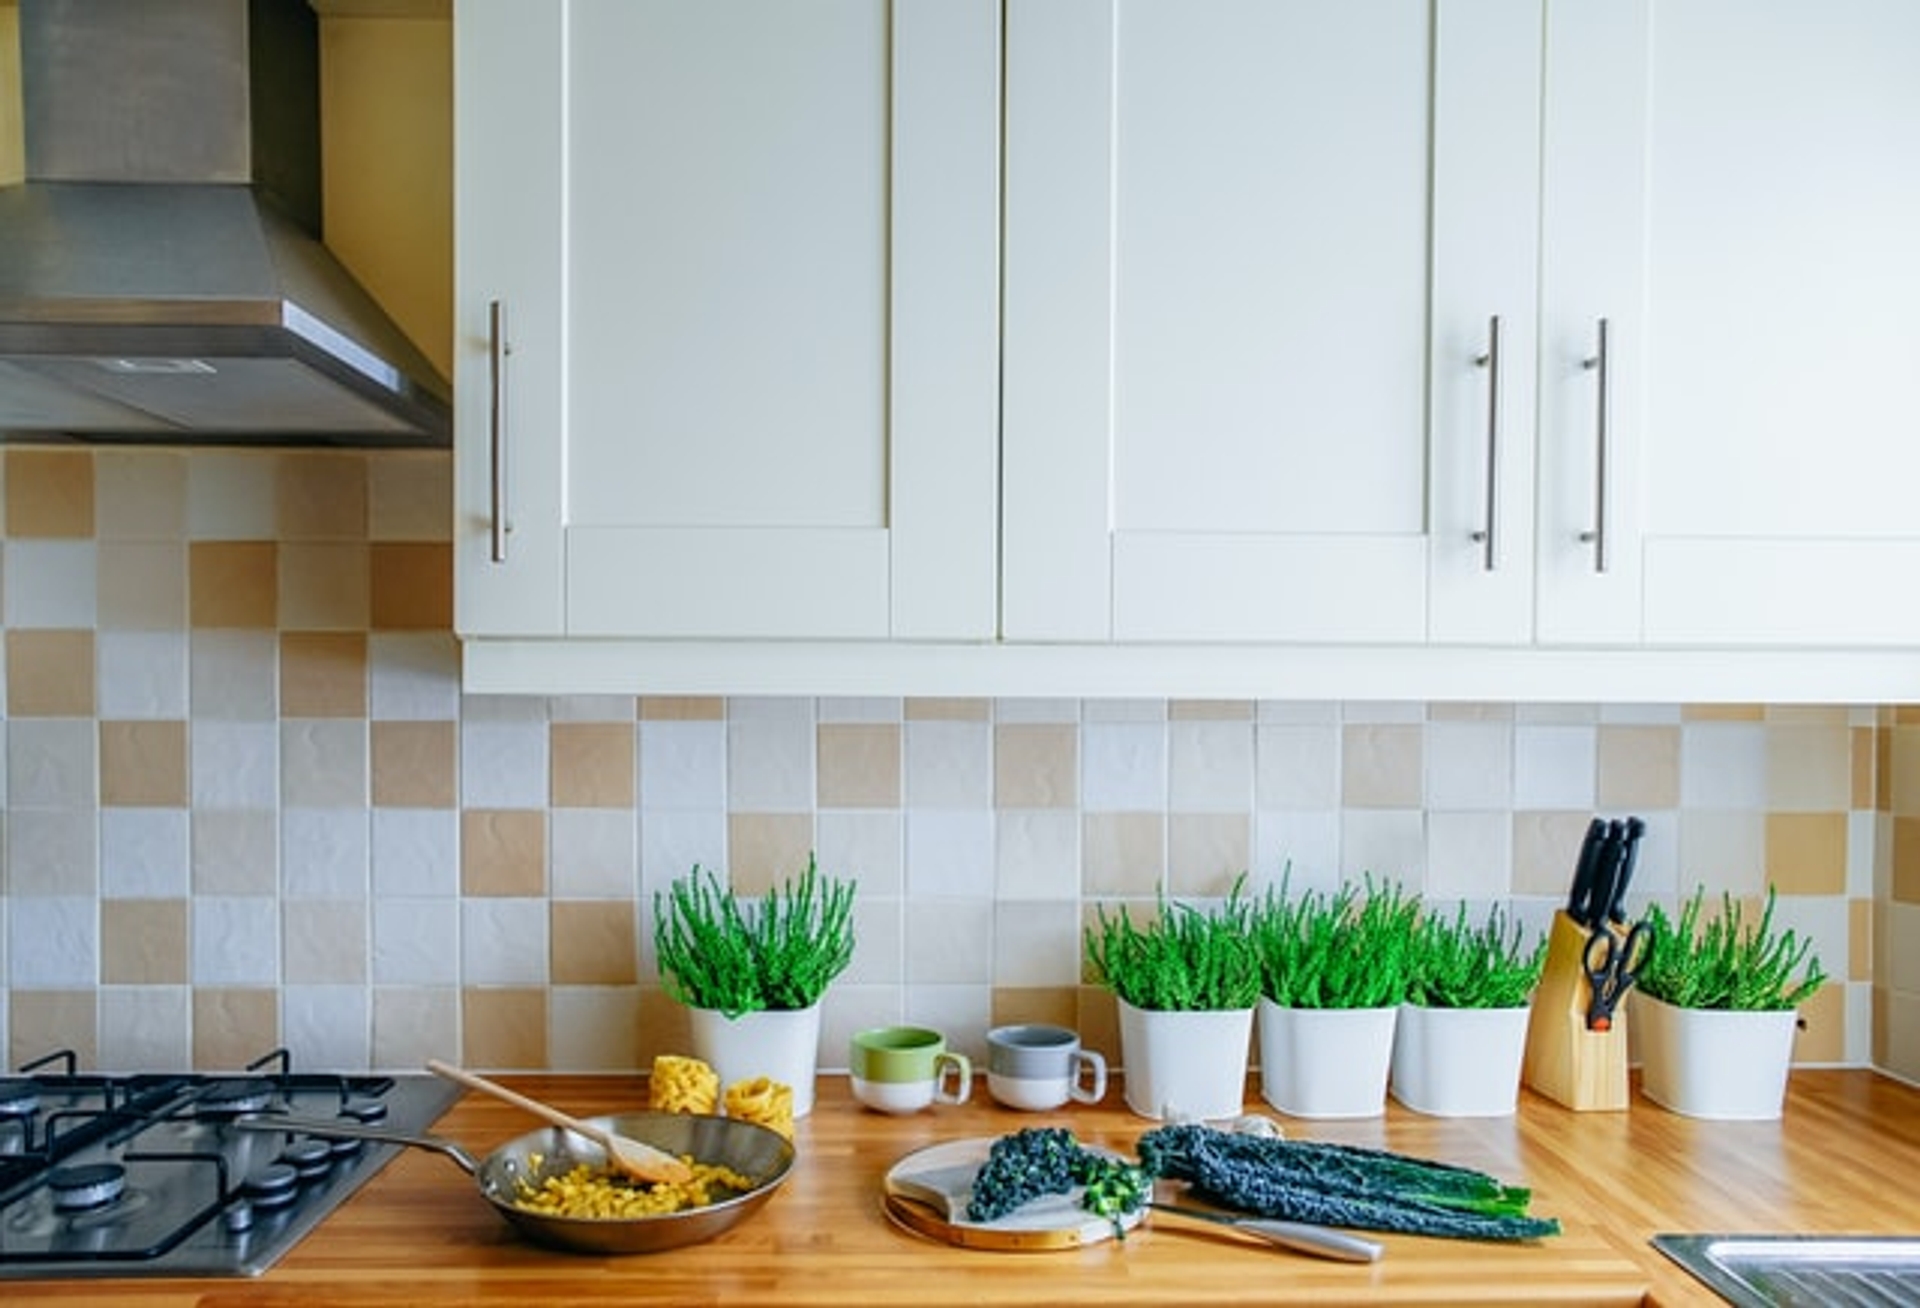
(365, 1109)
(309, 1157)
(231, 1098)
(19, 1096)
(86, 1187)
(273, 1186)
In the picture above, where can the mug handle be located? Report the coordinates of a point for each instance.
(1089, 1091)
(947, 1061)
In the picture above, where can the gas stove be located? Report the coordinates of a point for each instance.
(144, 1174)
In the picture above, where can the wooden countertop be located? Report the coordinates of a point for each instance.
(1842, 1160)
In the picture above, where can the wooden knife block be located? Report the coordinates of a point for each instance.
(1566, 1062)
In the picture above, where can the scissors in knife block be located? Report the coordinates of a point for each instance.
(1612, 963)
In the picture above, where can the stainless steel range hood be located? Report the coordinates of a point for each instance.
(161, 276)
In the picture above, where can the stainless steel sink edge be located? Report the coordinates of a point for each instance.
(1783, 1270)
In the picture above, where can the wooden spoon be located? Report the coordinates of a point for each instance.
(634, 1158)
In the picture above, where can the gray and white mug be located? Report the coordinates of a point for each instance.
(1034, 1067)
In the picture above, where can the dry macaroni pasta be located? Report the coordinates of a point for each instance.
(589, 1192)
(762, 1100)
(682, 1085)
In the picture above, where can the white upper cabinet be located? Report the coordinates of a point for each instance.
(728, 318)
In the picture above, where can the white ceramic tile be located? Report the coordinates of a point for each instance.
(879, 947)
(1294, 712)
(683, 765)
(593, 853)
(412, 1024)
(1037, 854)
(1562, 714)
(50, 583)
(231, 495)
(53, 942)
(235, 764)
(236, 852)
(1722, 849)
(1383, 712)
(949, 854)
(948, 764)
(323, 941)
(234, 675)
(1123, 710)
(52, 852)
(1861, 828)
(790, 710)
(1123, 766)
(1036, 710)
(949, 941)
(323, 762)
(868, 847)
(503, 764)
(328, 1026)
(1388, 843)
(52, 763)
(413, 676)
(1723, 765)
(1469, 765)
(145, 1027)
(410, 496)
(143, 674)
(672, 841)
(1300, 846)
(1469, 856)
(1640, 715)
(503, 942)
(1554, 765)
(770, 764)
(1036, 944)
(144, 853)
(1296, 766)
(416, 942)
(1823, 919)
(859, 709)
(235, 941)
(593, 1029)
(1210, 767)
(324, 852)
(140, 494)
(961, 1012)
(850, 1007)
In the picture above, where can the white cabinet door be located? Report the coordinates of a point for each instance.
(1783, 273)
(748, 259)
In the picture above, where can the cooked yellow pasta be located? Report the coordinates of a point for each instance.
(591, 1192)
(762, 1100)
(681, 1084)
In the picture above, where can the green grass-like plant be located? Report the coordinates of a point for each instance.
(1725, 962)
(1459, 964)
(721, 952)
(1187, 959)
(1347, 948)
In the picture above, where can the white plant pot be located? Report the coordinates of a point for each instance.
(1459, 1062)
(1325, 1062)
(1181, 1066)
(783, 1044)
(1712, 1062)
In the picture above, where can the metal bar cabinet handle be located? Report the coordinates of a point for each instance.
(1603, 439)
(497, 351)
(1486, 536)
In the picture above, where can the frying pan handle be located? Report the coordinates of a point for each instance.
(334, 1129)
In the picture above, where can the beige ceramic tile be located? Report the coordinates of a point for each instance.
(143, 764)
(1381, 766)
(40, 1022)
(50, 674)
(140, 494)
(504, 1029)
(1206, 852)
(233, 584)
(321, 495)
(410, 496)
(325, 586)
(1723, 712)
(1468, 711)
(1210, 710)
(935, 709)
(415, 764)
(1822, 1037)
(503, 852)
(49, 493)
(323, 942)
(1545, 845)
(1638, 767)
(1052, 1005)
(1860, 932)
(1809, 766)
(664, 1026)
(1035, 765)
(1863, 747)
(232, 1027)
(323, 674)
(143, 942)
(412, 586)
(141, 586)
(1906, 860)
(1807, 853)
(594, 1029)
(682, 708)
(591, 764)
(414, 1023)
(1121, 854)
(764, 849)
(592, 943)
(858, 765)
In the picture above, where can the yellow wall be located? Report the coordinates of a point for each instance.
(12, 150)
(386, 97)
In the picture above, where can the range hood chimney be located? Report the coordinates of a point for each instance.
(161, 273)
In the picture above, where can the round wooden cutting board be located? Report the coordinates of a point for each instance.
(926, 1193)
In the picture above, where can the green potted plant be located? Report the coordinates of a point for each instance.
(1334, 967)
(752, 973)
(1716, 1008)
(1461, 1035)
(1185, 982)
